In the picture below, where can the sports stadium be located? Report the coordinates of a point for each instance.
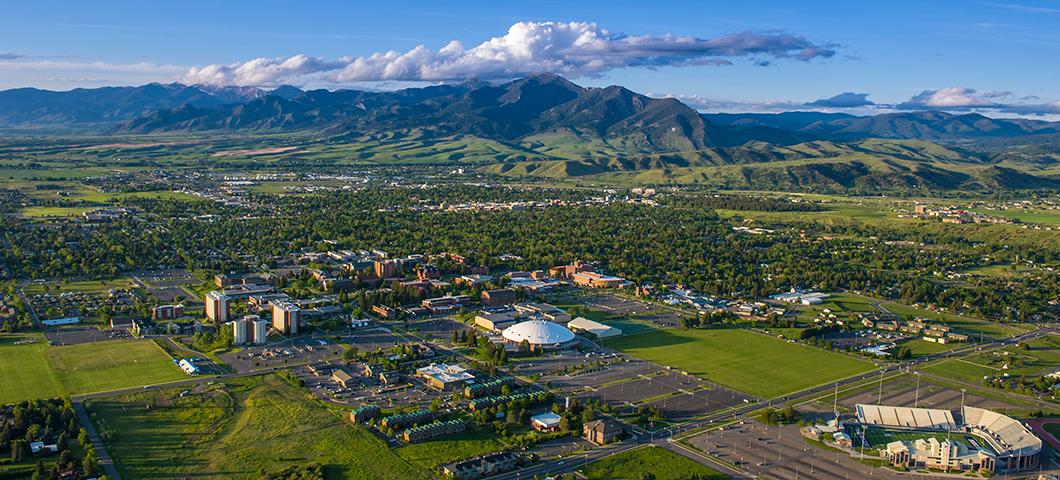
(976, 439)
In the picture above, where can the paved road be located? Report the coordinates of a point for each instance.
(97, 442)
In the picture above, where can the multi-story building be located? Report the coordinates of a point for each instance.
(286, 316)
(498, 297)
(217, 308)
(386, 269)
(596, 280)
(250, 330)
(167, 312)
(484, 466)
(433, 430)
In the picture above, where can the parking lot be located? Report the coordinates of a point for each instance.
(642, 310)
(772, 452)
(295, 351)
(626, 383)
(371, 339)
(438, 328)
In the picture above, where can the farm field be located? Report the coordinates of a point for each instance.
(247, 429)
(660, 462)
(37, 370)
(746, 361)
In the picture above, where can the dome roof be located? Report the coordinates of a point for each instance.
(538, 332)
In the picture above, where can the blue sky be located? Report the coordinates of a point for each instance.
(993, 56)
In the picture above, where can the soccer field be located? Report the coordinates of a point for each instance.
(753, 363)
(37, 370)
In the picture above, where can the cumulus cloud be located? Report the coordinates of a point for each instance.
(970, 99)
(950, 98)
(843, 100)
(573, 48)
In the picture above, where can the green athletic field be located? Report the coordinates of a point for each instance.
(750, 362)
(37, 370)
(879, 437)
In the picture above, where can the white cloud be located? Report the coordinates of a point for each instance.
(574, 48)
(952, 97)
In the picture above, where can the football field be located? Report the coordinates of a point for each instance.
(747, 361)
(33, 369)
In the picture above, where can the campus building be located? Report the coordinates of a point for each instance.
(484, 466)
(217, 307)
(250, 330)
(596, 280)
(498, 297)
(386, 269)
(540, 334)
(167, 312)
(602, 431)
(597, 329)
(286, 316)
(444, 377)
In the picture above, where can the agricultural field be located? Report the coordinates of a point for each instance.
(660, 462)
(753, 363)
(37, 370)
(246, 429)
(1041, 356)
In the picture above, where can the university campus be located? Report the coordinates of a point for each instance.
(678, 241)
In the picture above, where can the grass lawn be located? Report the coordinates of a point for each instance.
(240, 430)
(757, 364)
(662, 463)
(37, 370)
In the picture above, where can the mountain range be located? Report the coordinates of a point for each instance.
(552, 125)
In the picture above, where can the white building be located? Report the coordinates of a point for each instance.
(582, 324)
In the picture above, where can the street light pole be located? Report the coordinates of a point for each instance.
(916, 399)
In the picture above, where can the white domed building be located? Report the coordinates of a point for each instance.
(541, 334)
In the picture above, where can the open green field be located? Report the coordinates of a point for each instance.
(662, 463)
(919, 347)
(246, 429)
(37, 370)
(84, 286)
(1042, 356)
(757, 364)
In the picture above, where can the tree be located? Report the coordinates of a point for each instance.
(350, 354)
(19, 450)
